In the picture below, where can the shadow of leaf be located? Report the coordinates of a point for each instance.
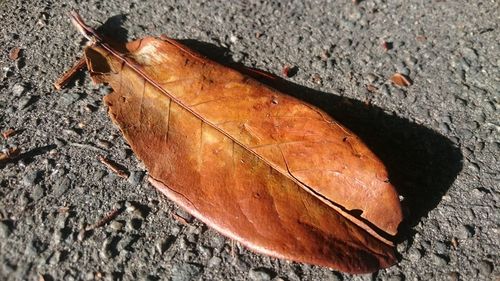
(422, 163)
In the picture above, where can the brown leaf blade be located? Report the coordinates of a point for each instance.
(265, 169)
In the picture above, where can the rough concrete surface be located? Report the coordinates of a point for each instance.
(439, 137)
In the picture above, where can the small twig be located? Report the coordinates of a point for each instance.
(70, 73)
(9, 133)
(107, 218)
(114, 167)
(233, 251)
(88, 146)
(180, 219)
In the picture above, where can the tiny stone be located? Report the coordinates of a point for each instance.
(30, 178)
(469, 54)
(137, 213)
(57, 238)
(135, 177)
(259, 275)
(18, 89)
(130, 207)
(453, 276)
(485, 268)
(384, 90)
(464, 232)
(69, 98)
(82, 234)
(62, 186)
(204, 251)
(440, 247)
(185, 215)
(162, 245)
(242, 265)
(55, 258)
(402, 247)
(477, 193)
(214, 261)
(439, 260)
(99, 175)
(105, 252)
(37, 193)
(370, 77)
(116, 225)
(104, 144)
(175, 230)
(5, 230)
(414, 255)
(425, 244)
(24, 102)
(185, 272)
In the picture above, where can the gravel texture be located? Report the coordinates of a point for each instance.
(439, 137)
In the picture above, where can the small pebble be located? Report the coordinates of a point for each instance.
(453, 276)
(185, 272)
(135, 177)
(163, 244)
(485, 268)
(18, 89)
(214, 261)
(204, 251)
(464, 232)
(414, 255)
(54, 258)
(5, 230)
(130, 207)
(82, 234)
(259, 275)
(370, 77)
(31, 178)
(37, 193)
(69, 98)
(469, 54)
(440, 247)
(439, 260)
(99, 175)
(62, 185)
(104, 144)
(24, 102)
(116, 225)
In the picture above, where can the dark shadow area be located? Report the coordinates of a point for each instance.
(113, 28)
(28, 156)
(422, 164)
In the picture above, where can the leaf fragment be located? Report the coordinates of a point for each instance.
(401, 80)
(9, 154)
(15, 53)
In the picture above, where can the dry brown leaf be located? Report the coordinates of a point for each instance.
(263, 168)
(400, 80)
